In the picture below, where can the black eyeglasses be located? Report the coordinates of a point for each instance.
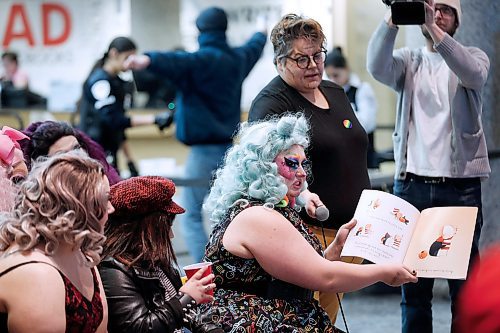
(304, 61)
(445, 10)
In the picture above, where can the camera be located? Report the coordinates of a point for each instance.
(405, 12)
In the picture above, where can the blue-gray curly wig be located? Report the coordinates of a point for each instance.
(249, 170)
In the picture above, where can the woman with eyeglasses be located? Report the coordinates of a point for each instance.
(338, 141)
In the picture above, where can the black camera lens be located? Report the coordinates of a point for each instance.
(408, 12)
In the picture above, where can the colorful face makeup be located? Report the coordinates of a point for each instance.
(292, 165)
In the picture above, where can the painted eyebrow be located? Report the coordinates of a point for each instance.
(294, 160)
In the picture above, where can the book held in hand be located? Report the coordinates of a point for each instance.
(436, 242)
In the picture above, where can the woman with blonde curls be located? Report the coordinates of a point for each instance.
(49, 246)
(266, 261)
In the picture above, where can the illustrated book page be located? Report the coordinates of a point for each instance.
(435, 243)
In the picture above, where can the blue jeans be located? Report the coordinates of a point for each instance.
(416, 302)
(201, 163)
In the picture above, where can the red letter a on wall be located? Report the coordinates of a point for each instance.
(17, 10)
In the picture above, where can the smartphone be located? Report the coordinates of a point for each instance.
(408, 12)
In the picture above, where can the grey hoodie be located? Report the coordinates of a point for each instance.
(468, 73)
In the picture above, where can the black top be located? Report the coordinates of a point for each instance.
(338, 145)
(102, 111)
(136, 299)
(371, 156)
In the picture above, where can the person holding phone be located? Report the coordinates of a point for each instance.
(439, 144)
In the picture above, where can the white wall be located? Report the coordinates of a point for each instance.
(155, 24)
(162, 25)
(91, 25)
(242, 19)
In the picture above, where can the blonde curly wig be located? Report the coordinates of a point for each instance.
(63, 200)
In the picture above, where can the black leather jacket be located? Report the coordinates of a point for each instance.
(136, 302)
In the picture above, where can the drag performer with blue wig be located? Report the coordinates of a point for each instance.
(265, 259)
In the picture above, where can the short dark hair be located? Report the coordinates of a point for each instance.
(12, 56)
(290, 28)
(43, 134)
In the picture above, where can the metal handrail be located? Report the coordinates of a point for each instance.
(494, 154)
(13, 113)
(378, 180)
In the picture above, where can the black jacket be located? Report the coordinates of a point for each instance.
(102, 110)
(136, 301)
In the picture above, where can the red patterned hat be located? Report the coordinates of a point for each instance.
(144, 195)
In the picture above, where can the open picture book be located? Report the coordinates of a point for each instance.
(436, 242)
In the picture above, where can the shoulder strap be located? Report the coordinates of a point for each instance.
(351, 95)
(96, 281)
(26, 263)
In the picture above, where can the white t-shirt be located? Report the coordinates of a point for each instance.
(429, 138)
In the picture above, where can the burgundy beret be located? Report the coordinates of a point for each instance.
(144, 195)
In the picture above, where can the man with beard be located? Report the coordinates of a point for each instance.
(439, 144)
